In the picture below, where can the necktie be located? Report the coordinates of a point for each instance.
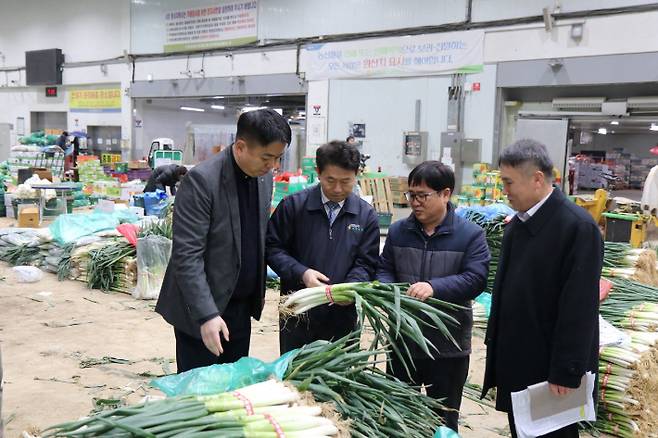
(332, 211)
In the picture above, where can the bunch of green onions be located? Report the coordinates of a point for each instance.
(106, 264)
(375, 403)
(394, 316)
(619, 254)
(625, 388)
(494, 229)
(263, 410)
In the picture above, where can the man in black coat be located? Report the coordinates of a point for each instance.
(165, 176)
(545, 304)
(323, 235)
(215, 280)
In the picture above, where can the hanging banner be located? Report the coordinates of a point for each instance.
(419, 55)
(103, 100)
(224, 24)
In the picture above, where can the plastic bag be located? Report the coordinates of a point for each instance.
(485, 300)
(129, 231)
(216, 379)
(27, 274)
(70, 227)
(445, 432)
(153, 254)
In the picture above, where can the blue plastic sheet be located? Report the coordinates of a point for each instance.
(70, 227)
(485, 299)
(216, 379)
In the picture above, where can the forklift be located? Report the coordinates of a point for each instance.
(162, 152)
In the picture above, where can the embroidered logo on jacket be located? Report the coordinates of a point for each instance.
(354, 227)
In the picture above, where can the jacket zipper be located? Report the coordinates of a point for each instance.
(422, 263)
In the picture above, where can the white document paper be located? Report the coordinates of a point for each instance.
(538, 412)
(610, 336)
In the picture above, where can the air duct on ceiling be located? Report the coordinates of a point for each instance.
(578, 103)
(642, 103)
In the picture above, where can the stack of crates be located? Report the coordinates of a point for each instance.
(309, 169)
(110, 158)
(487, 187)
(399, 186)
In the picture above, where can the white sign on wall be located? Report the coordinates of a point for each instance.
(440, 53)
(223, 24)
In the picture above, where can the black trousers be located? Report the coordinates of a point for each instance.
(192, 352)
(443, 379)
(570, 431)
(295, 332)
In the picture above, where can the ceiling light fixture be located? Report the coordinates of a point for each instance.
(246, 109)
(653, 127)
(217, 107)
(190, 108)
(218, 97)
(603, 131)
(614, 122)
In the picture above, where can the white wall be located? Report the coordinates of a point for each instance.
(387, 107)
(85, 30)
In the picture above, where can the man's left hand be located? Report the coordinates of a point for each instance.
(558, 390)
(421, 291)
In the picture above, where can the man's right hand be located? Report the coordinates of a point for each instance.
(210, 334)
(313, 278)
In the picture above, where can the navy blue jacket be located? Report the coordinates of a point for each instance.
(299, 238)
(454, 260)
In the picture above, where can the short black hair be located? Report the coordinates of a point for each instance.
(64, 133)
(338, 153)
(263, 126)
(350, 137)
(527, 151)
(434, 174)
(181, 171)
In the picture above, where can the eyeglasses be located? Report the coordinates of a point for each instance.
(420, 197)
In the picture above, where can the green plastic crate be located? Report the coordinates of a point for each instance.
(384, 219)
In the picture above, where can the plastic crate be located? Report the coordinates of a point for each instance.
(384, 219)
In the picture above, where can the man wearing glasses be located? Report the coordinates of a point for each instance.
(443, 256)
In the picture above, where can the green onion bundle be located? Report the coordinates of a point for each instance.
(494, 229)
(627, 386)
(263, 410)
(619, 254)
(106, 265)
(375, 403)
(394, 316)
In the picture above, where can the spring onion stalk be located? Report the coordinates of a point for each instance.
(394, 316)
(375, 403)
(262, 410)
(493, 230)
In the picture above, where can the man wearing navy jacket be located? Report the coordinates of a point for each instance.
(442, 256)
(323, 235)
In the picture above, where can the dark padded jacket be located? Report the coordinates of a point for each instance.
(454, 260)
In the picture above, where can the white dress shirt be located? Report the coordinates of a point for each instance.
(524, 216)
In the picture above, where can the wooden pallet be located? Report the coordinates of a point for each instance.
(380, 190)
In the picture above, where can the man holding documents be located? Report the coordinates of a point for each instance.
(544, 316)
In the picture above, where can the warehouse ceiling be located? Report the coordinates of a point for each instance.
(616, 125)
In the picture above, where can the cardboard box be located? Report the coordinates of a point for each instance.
(43, 173)
(28, 216)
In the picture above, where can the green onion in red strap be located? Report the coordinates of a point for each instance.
(327, 291)
(248, 406)
(277, 427)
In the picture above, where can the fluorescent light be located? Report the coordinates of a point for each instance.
(603, 131)
(217, 107)
(246, 109)
(653, 127)
(190, 108)
(218, 97)
(614, 122)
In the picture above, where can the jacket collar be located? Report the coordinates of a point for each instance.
(315, 201)
(537, 221)
(446, 227)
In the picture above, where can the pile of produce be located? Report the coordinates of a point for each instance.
(269, 409)
(375, 403)
(623, 261)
